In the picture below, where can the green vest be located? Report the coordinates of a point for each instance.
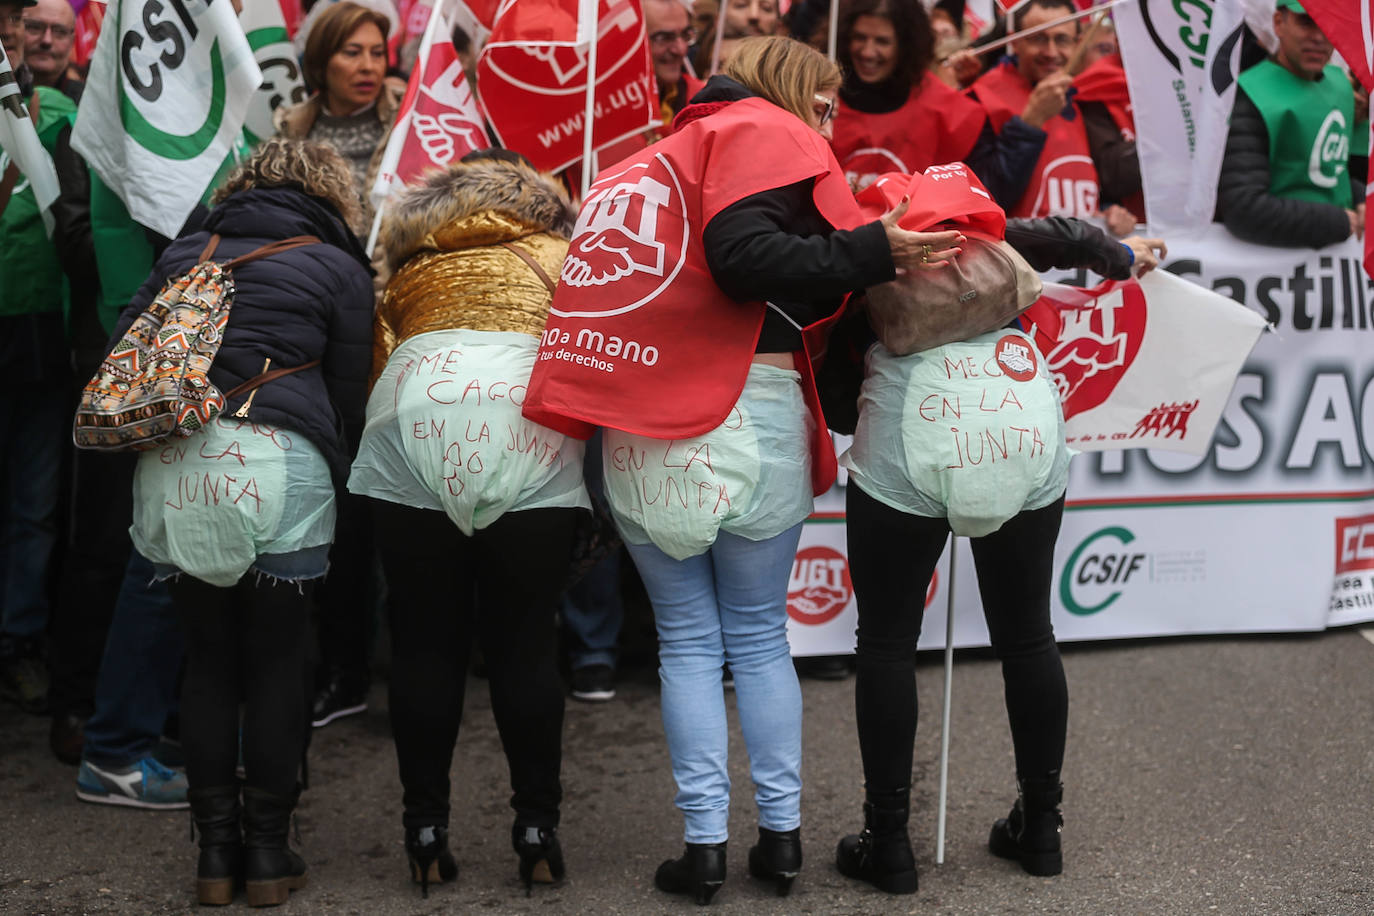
(31, 278)
(1309, 123)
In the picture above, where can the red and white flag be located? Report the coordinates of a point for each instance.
(438, 122)
(1146, 363)
(532, 77)
(1350, 26)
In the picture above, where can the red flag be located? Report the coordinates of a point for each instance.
(438, 122)
(532, 78)
(89, 16)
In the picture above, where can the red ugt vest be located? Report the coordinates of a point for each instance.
(1065, 180)
(639, 337)
(936, 124)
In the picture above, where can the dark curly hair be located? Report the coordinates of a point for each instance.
(910, 22)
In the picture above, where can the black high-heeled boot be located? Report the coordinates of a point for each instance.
(1030, 833)
(881, 854)
(429, 856)
(271, 869)
(777, 857)
(215, 813)
(698, 873)
(541, 855)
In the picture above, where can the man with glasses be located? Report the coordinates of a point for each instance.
(49, 29)
(670, 35)
(1033, 86)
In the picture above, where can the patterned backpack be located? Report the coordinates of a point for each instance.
(155, 384)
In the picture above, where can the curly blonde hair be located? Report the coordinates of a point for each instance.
(314, 168)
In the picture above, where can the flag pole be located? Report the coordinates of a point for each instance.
(720, 34)
(945, 715)
(833, 41)
(1013, 36)
(589, 8)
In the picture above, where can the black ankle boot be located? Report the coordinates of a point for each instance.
(881, 854)
(215, 813)
(699, 873)
(429, 857)
(777, 858)
(1030, 833)
(541, 855)
(271, 869)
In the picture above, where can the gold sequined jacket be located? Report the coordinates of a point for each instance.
(445, 241)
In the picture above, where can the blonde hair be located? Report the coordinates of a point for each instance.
(314, 168)
(785, 72)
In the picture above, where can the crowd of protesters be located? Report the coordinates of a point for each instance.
(173, 652)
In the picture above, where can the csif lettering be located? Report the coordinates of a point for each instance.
(162, 32)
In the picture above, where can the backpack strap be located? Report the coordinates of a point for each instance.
(272, 248)
(525, 256)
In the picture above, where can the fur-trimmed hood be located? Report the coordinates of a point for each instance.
(485, 202)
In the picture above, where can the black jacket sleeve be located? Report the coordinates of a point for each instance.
(1005, 162)
(1114, 157)
(1066, 243)
(1244, 203)
(774, 246)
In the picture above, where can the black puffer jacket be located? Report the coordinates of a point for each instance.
(309, 303)
(1244, 203)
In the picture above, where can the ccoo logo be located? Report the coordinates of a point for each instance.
(819, 587)
(1354, 544)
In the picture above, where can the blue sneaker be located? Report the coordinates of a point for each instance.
(144, 783)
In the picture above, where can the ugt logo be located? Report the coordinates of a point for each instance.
(819, 587)
(631, 236)
(1098, 343)
(620, 34)
(1098, 569)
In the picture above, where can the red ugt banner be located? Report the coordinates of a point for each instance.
(532, 79)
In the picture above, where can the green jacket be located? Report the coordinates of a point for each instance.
(31, 278)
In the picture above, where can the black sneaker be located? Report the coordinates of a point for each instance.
(593, 683)
(338, 697)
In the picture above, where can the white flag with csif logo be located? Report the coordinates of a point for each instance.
(1181, 64)
(169, 88)
(282, 84)
(19, 144)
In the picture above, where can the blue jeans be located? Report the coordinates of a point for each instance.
(727, 606)
(137, 686)
(35, 421)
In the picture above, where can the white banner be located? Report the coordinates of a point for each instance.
(168, 90)
(1181, 62)
(19, 143)
(282, 84)
(1270, 530)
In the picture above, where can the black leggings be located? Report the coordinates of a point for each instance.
(502, 584)
(891, 557)
(248, 643)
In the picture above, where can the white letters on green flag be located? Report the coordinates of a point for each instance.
(169, 87)
(282, 84)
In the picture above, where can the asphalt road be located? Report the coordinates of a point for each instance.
(1205, 775)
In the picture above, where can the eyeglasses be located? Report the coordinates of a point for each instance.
(36, 29)
(1040, 41)
(828, 114)
(662, 39)
(12, 18)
